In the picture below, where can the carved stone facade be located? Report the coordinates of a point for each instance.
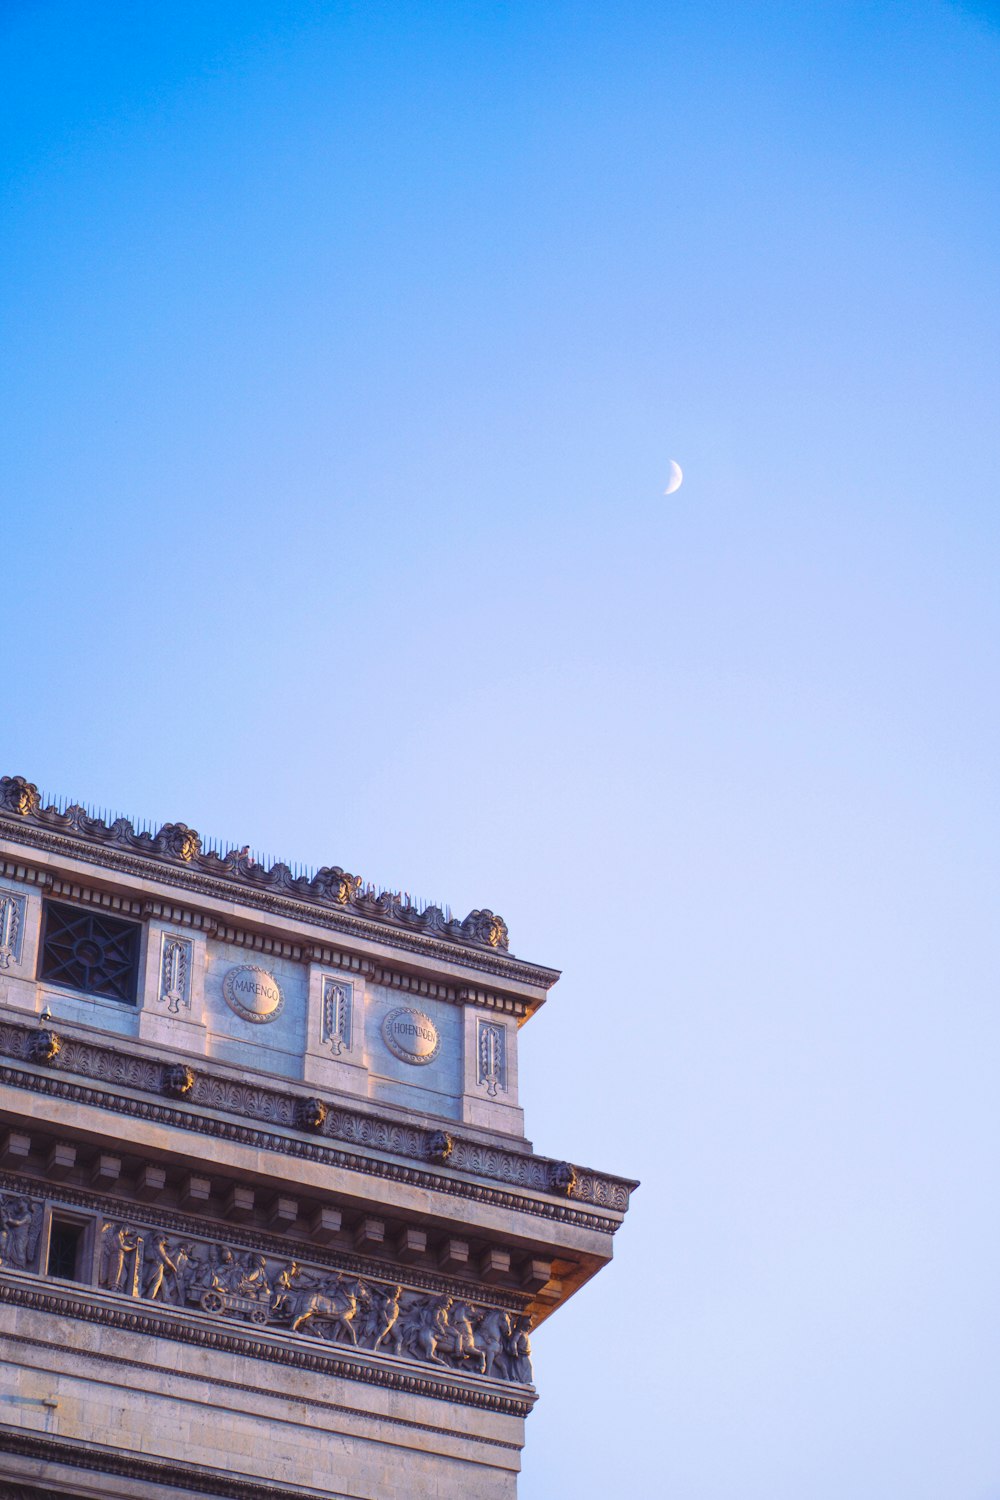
(268, 1219)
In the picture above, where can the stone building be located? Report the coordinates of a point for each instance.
(269, 1224)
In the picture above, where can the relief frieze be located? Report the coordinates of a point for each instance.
(227, 1281)
(239, 1284)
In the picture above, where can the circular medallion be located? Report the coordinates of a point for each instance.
(411, 1036)
(253, 993)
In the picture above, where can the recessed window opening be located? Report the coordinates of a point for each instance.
(64, 1250)
(90, 951)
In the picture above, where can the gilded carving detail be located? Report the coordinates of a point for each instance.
(440, 1145)
(487, 928)
(43, 1046)
(179, 841)
(562, 1178)
(178, 1080)
(19, 796)
(311, 1113)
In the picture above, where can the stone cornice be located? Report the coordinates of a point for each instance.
(598, 1202)
(331, 897)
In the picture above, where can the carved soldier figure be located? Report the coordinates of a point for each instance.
(254, 1282)
(388, 1325)
(463, 1341)
(349, 1292)
(225, 1274)
(184, 1260)
(283, 1289)
(161, 1264)
(120, 1257)
(427, 1328)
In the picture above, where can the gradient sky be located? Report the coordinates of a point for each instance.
(344, 350)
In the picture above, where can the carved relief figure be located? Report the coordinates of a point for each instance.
(185, 1261)
(519, 1352)
(426, 1328)
(224, 1274)
(179, 841)
(284, 1289)
(254, 1282)
(390, 1333)
(463, 1341)
(156, 1282)
(121, 1257)
(20, 1224)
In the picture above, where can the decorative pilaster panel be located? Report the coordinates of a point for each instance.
(175, 973)
(490, 1088)
(335, 1033)
(337, 1015)
(173, 990)
(11, 929)
(491, 1057)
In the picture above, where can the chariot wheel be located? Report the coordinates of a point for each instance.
(258, 1315)
(213, 1301)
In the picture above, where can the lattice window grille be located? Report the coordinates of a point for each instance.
(90, 951)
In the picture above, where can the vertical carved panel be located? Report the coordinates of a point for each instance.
(175, 973)
(338, 999)
(491, 1050)
(11, 929)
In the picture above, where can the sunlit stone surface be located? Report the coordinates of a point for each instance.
(269, 1224)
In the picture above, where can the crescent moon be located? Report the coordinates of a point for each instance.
(675, 479)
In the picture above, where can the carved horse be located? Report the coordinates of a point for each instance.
(491, 1338)
(336, 1305)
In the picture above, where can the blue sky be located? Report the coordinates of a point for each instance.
(344, 351)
